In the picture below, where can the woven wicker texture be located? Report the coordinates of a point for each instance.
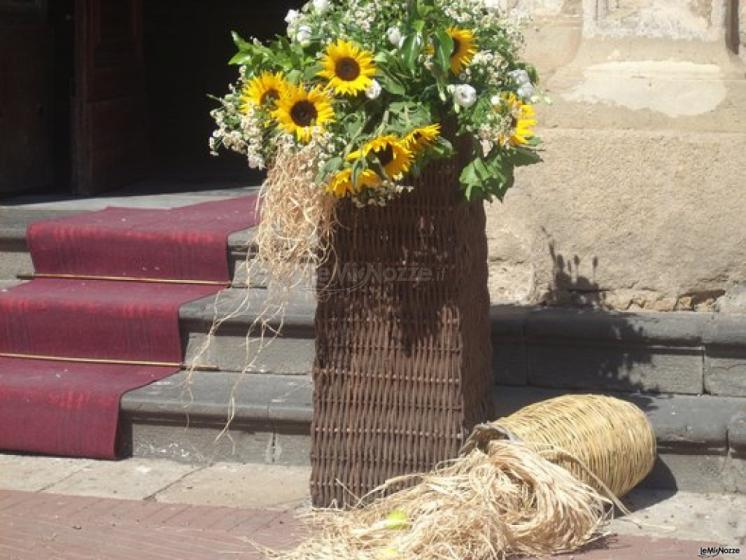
(610, 437)
(403, 354)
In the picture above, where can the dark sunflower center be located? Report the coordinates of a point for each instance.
(304, 113)
(270, 94)
(385, 155)
(513, 122)
(347, 69)
(456, 46)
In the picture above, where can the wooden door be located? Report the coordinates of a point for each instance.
(26, 85)
(109, 127)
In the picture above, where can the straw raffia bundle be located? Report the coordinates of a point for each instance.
(542, 481)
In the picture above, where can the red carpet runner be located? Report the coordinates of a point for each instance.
(60, 407)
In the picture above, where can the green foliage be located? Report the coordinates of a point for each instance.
(417, 86)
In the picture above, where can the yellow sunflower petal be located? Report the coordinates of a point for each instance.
(522, 121)
(464, 48)
(300, 111)
(341, 184)
(392, 153)
(421, 138)
(348, 68)
(266, 88)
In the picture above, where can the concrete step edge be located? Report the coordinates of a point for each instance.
(680, 421)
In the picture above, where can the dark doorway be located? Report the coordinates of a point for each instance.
(35, 77)
(187, 46)
(71, 94)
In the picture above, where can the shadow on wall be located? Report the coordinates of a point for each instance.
(573, 345)
(569, 287)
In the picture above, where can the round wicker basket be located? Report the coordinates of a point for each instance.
(609, 437)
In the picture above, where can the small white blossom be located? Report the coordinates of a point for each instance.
(320, 6)
(465, 95)
(486, 146)
(304, 35)
(496, 101)
(292, 16)
(373, 91)
(394, 36)
(520, 77)
(526, 91)
(492, 5)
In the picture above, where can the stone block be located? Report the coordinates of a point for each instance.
(238, 353)
(200, 444)
(607, 367)
(700, 20)
(14, 263)
(725, 371)
(292, 447)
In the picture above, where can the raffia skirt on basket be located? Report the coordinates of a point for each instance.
(403, 354)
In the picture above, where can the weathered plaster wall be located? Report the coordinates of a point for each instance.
(641, 202)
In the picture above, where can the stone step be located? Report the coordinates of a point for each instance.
(15, 260)
(702, 439)
(678, 352)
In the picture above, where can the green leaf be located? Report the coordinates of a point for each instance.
(443, 50)
(389, 82)
(522, 157)
(240, 43)
(411, 50)
(241, 59)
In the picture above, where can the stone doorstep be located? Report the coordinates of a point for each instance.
(678, 352)
(701, 439)
(15, 259)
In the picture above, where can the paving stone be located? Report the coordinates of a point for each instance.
(202, 443)
(228, 352)
(725, 371)
(700, 516)
(131, 529)
(133, 479)
(31, 473)
(583, 365)
(242, 486)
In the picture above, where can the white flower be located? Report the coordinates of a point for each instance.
(492, 5)
(304, 35)
(520, 77)
(526, 91)
(394, 36)
(256, 162)
(487, 146)
(465, 95)
(292, 16)
(320, 6)
(373, 91)
(496, 101)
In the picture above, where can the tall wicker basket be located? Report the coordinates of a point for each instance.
(403, 353)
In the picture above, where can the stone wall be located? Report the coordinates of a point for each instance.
(640, 202)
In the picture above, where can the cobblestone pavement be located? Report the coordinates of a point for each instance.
(55, 527)
(148, 509)
(35, 526)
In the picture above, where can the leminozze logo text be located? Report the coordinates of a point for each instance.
(713, 551)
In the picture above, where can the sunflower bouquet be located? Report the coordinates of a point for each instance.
(375, 90)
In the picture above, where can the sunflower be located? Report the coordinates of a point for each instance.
(348, 68)
(464, 48)
(341, 183)
(522, 121)
(264, 88)
(299, 110)
(422, 138)
(392, 153)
